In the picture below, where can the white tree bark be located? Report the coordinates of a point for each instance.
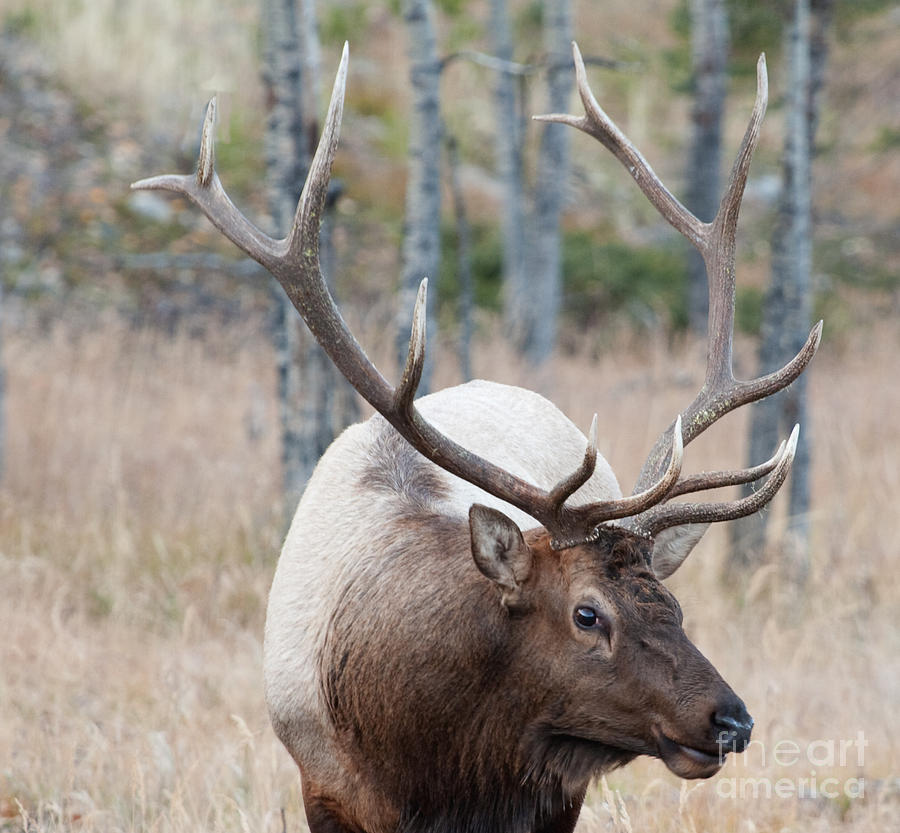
(463, 260)
(422, 228)
(709, 59)
(787, 310)
(508, 155)
(543, 266)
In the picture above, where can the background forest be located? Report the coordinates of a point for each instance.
(144, 481)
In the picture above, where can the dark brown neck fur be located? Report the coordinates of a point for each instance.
(469, 745)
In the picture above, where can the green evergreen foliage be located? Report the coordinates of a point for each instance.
(755, 26)
(602, 281)
(341, 22)
(452, 8)
(24, 22)
(239, 157)
(528, 20)
(888, 139)
(464, 31)
(748, 312)
(608, 280)
(487, 268)
(848, 11)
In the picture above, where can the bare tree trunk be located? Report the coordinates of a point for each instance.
(305, 376)
(821, 16)
(2, 387)
(788, 306)
(463, 261)
(311, 59)
(508, 150)
(343, 403)
(422, 229)
(544, 262)
(709, 57)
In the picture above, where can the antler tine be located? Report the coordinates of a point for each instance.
(652, 495)
(206, 163)
(415, 357)
(586, 519)
(719, 251)
(662, 517)
(590, 516)
(303, 240)
(720, 479)
(596, 123)
(298, 270)
(206, 192)
(566, 487)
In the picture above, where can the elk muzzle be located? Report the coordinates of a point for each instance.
(728, 730)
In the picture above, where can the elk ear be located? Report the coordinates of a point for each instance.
(500, 551)
(673, 545)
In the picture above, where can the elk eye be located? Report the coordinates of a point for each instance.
(586, 618)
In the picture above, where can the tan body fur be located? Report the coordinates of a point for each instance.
(368, 481)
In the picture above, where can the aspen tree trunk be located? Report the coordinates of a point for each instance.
(709, 58)
(508, 155)
(305, 377)
(544, 261)
(821, 16)
(463, 261)
(2, 391)
(3, 239)
(422, 228)
(787, 310)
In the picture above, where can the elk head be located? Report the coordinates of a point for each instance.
(620, 677)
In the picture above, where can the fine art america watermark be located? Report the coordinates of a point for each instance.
(816, 769)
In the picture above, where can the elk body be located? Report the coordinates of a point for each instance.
(467, 622)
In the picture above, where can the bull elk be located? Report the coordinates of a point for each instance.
(467, 622)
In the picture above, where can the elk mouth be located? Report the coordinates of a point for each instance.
(687, 761)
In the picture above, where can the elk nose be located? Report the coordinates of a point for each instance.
(733, 724)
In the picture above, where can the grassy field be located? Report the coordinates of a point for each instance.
(138, 536)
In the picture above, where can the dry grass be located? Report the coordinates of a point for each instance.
(138, 533)
(138, 537)
(159, 59)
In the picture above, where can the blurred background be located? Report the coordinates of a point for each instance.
(161, 408)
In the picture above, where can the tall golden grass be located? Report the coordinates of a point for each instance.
(154, 59)
(139, 530)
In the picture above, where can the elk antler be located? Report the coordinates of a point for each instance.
(294, 261)
(720, 392)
